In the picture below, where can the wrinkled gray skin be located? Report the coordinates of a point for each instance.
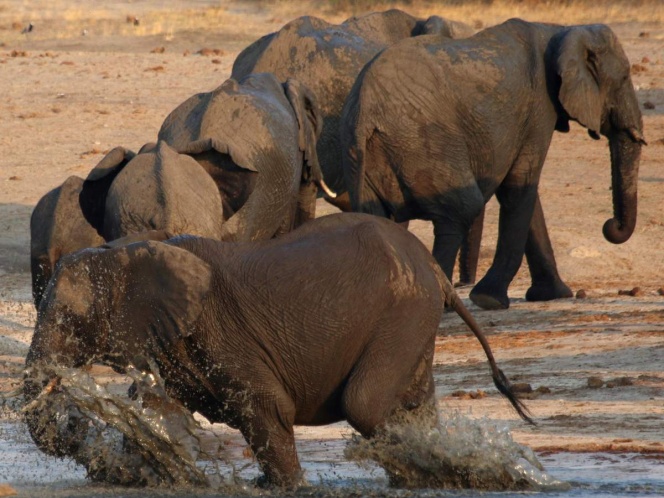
(257, 139)
(156, 189)
(333, 321)
(57, 227)
(432, 130)
(327, 58)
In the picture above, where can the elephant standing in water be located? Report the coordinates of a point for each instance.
(327, 58)
(432, 130)
(240, 337)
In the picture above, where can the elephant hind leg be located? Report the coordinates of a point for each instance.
(546, 282)
(391, 377)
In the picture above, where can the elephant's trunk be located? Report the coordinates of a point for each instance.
(625, 157)
(55, 428)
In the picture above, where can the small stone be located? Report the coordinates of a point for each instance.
(620, 382)
(638, 68)
(14, 177)
(158, 50)
(644, 34)
(581, 294)
(660, 291)
(595, 382)
(522, 387)
(636, 291)
(645, 60)
(649, 105)
(543, 390)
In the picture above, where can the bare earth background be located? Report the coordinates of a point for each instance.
(87, 79)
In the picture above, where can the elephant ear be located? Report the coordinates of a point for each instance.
(92, 198)
(161, 294)
(209, 144)
(310, 124)
(577, 65)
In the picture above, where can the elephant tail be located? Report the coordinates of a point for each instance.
(501, 381)
(356, 132)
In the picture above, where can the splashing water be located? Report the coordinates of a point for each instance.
(153, 440)
(149, 441)
(457, 453)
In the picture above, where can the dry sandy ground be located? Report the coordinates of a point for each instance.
(68, 95)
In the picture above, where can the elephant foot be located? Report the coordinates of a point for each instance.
(548, 291)
(489, 298)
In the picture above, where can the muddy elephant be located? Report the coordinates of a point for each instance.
(327, 58)
(432, 130)
(57, 227)
(126, 193)
(256, 137)
(240, 337)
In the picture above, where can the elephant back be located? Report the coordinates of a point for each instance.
(163, 190)
(223, 116)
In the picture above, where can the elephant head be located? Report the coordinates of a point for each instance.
(158, 189)
(257, 140)
(101, 306)
(595, 89)
(57, 227)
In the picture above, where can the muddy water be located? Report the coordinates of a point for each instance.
(457, 451)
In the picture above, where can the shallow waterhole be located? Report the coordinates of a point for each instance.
(456, 445)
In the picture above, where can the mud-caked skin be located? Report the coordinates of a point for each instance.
(333, 321)
(256, 137)
(327, 58)
(432, 129)
(57, 227)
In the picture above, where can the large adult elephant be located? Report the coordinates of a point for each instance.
(433, 129)
(256, 137)
(327, 58)
(239, 337)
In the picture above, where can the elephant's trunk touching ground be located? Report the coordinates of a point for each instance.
(503, 385)
(625, 157)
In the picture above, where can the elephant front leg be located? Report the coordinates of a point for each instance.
(546, 282)
(269, 432)
(516, 210)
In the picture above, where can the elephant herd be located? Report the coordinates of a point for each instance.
(201, 251)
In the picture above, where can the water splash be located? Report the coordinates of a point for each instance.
(457, 453)
(151, 440)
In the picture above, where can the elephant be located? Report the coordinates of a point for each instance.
(124, 194)
(333, 321)
(156, 189)
(57, 227)
(432, 129)
(327, 58)
(256, 137)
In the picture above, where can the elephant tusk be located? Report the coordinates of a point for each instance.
(328, 191)
(637, 136)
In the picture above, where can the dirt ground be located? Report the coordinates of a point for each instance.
(82, 82)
